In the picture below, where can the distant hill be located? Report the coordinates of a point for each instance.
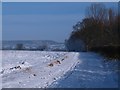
(42, 45)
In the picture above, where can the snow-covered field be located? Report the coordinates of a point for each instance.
(35, 69)
(40, 69)
(94, 71)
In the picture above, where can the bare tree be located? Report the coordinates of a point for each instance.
(97, 11)
(99, 28)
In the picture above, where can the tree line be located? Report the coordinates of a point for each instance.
(99, 29)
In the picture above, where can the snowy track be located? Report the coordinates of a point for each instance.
(92, 72)
(35, 69)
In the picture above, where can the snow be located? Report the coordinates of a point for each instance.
(32, 69)
(93, 72)
(44, 69)
(0, 69)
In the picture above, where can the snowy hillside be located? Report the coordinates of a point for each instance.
(35, 69)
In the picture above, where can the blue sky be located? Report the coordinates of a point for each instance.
(42, 21)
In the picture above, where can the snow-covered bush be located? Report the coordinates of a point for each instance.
(42, 47)
(19, 46)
